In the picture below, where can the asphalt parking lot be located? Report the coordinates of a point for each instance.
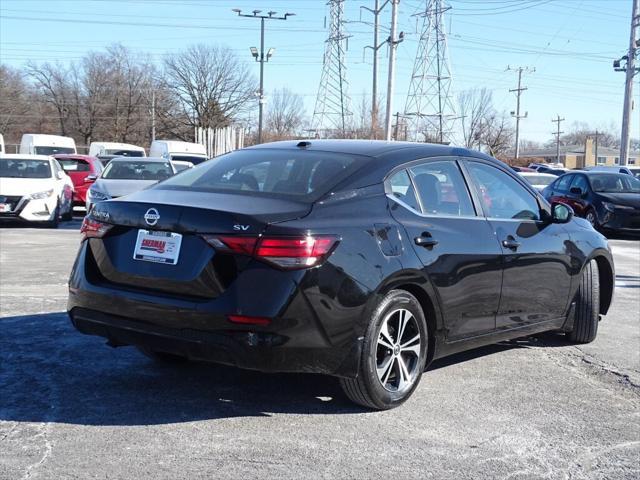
(71, 407)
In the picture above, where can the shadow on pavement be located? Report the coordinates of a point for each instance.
(51, 373)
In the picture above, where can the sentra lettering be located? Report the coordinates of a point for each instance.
(155, 245)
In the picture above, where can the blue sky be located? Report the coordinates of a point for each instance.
(570, 43)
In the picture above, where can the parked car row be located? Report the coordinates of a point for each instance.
(608, 197)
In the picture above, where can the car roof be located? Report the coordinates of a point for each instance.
(25, 156)
(371, 148)
(537, 174)
(74, 156)
(139, 159)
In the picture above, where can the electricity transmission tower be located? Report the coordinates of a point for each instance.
(333, 106)
(429, 108)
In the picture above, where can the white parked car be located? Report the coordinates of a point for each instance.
(125, 175)
(538, 180)
(34, 188)
(1, 144)
(182, 154)
(39, 144)
(113, 149)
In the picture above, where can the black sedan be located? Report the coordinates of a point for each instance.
(609, 201)
(359, 259)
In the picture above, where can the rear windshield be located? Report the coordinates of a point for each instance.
(301, 175)
(53, 150)
(614, 183)
(188, 158)
(17, 168)
(539, 179)
(123, 170)
(125, 153)
(74, 165)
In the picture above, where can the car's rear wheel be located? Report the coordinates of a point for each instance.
(394, 354)
(162, 357)
(587, 309)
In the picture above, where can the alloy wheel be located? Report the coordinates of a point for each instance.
(398, 351)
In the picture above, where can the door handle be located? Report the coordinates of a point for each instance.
(511, 243)
(425, 240)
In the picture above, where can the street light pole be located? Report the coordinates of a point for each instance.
(261, 57)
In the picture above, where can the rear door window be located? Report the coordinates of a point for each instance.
(580, 181)
(442, 189)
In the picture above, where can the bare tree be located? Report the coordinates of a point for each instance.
(285, 115)
(53, 83)
(607, 135)
(14, 101)
(498, 135)
(213, 86)
(475, 107)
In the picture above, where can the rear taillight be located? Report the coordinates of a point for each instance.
(285, 252)
(93, 229)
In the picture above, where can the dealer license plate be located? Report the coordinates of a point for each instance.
(159, 247)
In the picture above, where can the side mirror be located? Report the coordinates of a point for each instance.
(90, 178)
(60, 175)
(561, 213)
(576, 191)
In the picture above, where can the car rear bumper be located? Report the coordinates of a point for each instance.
(296, 340)
(262, 351)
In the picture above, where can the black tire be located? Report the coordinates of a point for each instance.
(592, 218)
(587, 310)
(68, 215)
(55, 221)
(162, 357)
(367, 388)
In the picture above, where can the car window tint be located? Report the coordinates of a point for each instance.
(74, 165)
(295, 174)
(563, 183)
(441, 189)
(501, 195)
(580, 181)
(402, 189)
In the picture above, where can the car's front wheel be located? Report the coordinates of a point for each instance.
(592, 218)
(394, 354)
(587, 309)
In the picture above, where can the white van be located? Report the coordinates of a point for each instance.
(39, 144)
(182, 154)
(2, 144)
(107, 149)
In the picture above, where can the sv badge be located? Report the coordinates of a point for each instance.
(243, 228)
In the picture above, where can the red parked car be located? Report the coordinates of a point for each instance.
(83, 170)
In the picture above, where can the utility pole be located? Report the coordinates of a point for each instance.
(516, 114)
(377, 9)
(631, 70)
(261, 57)
(558, 120)
(153, 115)
(393, 45)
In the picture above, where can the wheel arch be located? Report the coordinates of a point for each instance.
(417, 285)
(606, 279)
